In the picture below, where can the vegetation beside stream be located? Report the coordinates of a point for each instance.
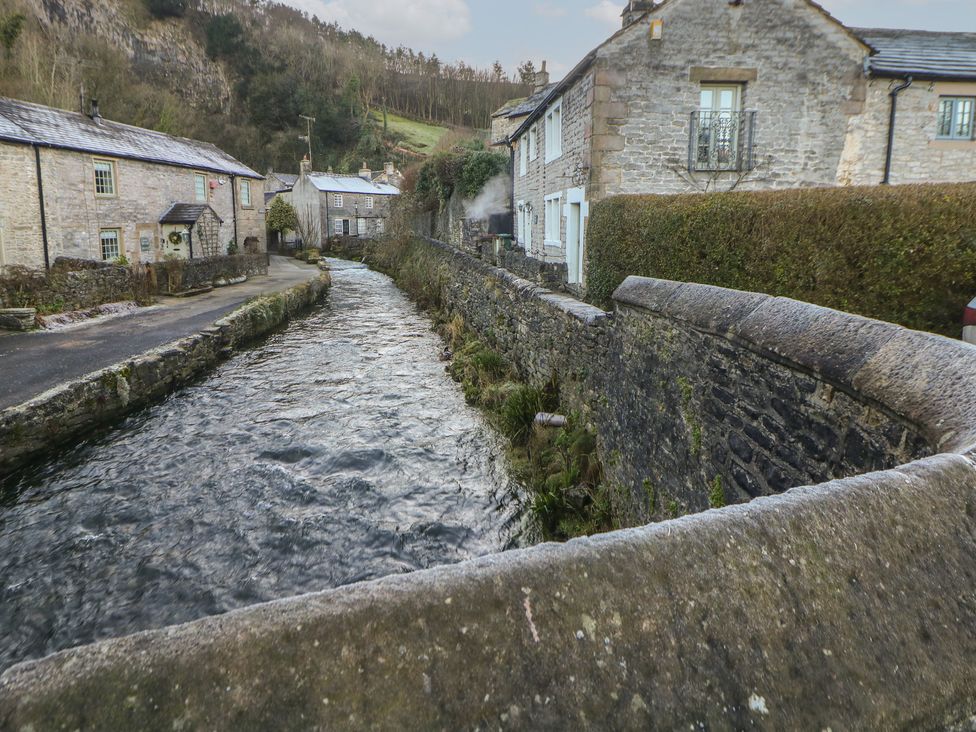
(559, 466)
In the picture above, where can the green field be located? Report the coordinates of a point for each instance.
(417, 137)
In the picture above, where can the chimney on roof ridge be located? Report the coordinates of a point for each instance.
(634, 10)
(541, 79)
(365, 173)
(305, 167)
(95, 114)
(389, 169)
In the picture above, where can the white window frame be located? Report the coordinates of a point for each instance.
(200, 194)
(553, 220)
(534, 142)
(523, 157)
(554, 131)
(112, 178)
(955, 101)
(337, 200)
(118, 243)
(337, 227)
(369, 203)
(360, 226)
(246, 188)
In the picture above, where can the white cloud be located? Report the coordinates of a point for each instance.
(414, 23)
(549, 10)
(606, 12)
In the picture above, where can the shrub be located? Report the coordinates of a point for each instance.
(466, 171)
(906, 254)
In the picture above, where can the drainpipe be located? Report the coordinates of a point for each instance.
(233, 208)
(40, 198)
(891, 127)
(189, 239)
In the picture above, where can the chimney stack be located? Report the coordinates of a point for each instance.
(365, 173)
(635, 9)
(389, 169)
(305, 167)
(541, 79)
(95, 115)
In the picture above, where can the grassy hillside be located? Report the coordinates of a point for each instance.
(417, 137)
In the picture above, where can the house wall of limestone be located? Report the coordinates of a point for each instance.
(76, 215)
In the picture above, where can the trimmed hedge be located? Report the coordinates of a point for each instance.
(905, 254)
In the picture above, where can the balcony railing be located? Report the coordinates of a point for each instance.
(721, 141)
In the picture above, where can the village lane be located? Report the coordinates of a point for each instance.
(31, 363)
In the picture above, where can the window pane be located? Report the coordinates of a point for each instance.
(945, 118)
(964, 118)
(104, 181)
(110, 244)
(245, 193)
(200, 182)
(726, 99)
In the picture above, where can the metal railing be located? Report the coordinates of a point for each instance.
(721, 141)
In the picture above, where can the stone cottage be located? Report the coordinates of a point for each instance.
(78, 185)
(344, 205)
(703, 95)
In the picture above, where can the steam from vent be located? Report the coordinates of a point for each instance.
(494, 198)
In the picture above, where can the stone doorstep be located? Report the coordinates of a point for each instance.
(17, 318)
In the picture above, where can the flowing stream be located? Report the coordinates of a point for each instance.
(336, 451)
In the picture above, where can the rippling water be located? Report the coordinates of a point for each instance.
(336, 451)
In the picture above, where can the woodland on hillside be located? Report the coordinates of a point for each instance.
(274, 63)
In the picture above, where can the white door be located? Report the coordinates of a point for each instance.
(574, 242)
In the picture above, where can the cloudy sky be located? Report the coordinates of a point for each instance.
(563, 31)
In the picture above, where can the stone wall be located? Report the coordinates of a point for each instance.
(66, 287)
(704, 396)
(844, 605)
(847, 605)
(62, 414)
(20, 211)
(190, 274)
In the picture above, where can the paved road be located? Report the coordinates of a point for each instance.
(31, 363)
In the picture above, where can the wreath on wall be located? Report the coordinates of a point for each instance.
(175, 238)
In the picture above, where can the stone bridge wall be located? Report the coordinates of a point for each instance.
(703, 396)
(844, 605)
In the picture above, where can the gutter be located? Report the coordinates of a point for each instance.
(891, 127)
(40, 199)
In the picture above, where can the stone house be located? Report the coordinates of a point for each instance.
(705, 95)
(344, 205)
(78, 185)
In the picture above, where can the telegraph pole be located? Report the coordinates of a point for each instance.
(308, 136)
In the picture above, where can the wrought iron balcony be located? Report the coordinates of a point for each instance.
(721, 141)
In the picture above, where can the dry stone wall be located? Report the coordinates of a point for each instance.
(699, 395)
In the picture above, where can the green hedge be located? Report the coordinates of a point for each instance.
(905, 254)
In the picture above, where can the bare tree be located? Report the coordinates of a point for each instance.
(309, 228)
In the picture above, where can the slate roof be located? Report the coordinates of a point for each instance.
(922, 54)
(333, 183)
(286, 179)
(50, 127)
(522, 107)
(186, 213)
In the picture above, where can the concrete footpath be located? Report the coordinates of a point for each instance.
(31, 363)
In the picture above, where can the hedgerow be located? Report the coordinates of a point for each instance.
(905, 254)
